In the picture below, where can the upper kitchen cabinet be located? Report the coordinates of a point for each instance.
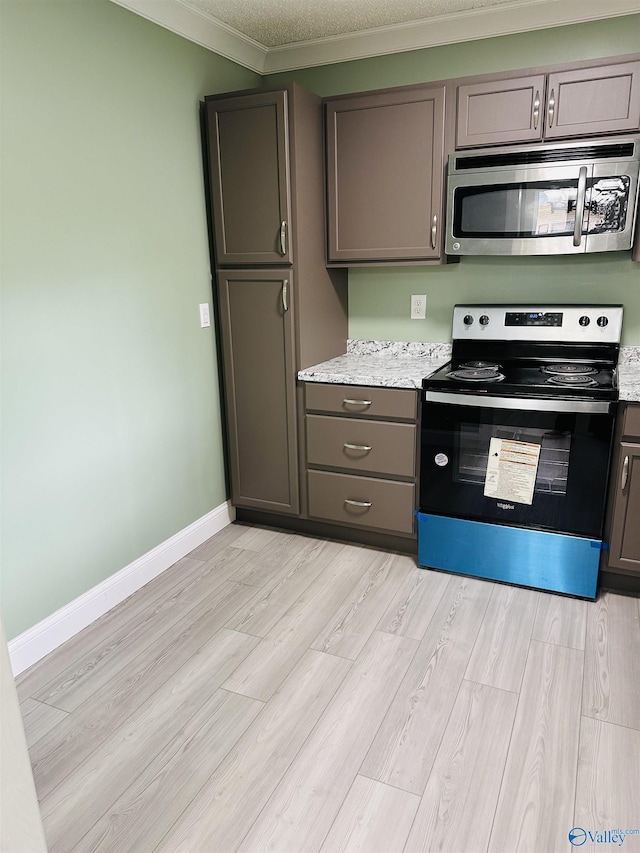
(385, 164)
(250, 180)
(561, 104)
(497, 111)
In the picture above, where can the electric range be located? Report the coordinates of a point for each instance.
(516, 438)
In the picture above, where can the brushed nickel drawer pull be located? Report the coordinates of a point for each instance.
(552, 107)
(362, 504)
(285, 299)
(350, 402)
(283, 237)
(536, 110)
(364, 447)
(625, 472)
(434, 230)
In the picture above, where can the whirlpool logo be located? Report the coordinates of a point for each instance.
(579, 836)
(505, 506)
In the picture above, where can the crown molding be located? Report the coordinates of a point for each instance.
(488, 22)
(202, 30)
(475, 24)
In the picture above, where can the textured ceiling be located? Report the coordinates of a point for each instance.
(278, 22)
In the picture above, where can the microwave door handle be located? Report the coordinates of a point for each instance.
(580, 199)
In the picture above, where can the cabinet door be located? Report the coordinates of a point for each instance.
(593, 100)
(256, 326)
(624, 548)
(385, 174)
(491, 113)
(249, 173)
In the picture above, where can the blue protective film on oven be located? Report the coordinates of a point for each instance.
(535, 558)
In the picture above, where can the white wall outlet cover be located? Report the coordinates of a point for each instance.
(418, 307)
(205, 318)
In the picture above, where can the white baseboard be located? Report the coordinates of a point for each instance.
(32, 645)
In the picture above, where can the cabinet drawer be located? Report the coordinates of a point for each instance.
(632, 420)
(386, 504)
(375, 446)
(357, 400)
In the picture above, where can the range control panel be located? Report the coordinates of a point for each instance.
(569, 323)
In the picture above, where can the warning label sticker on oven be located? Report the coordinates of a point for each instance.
(512, 467)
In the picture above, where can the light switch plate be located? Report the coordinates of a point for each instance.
(205, 319)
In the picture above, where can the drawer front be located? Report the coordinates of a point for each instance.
(632, 420)
(362, 501)
(354, 400)
(360, 445)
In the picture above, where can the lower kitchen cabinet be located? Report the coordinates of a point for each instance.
(624, 542)
(361, 456)
(362, 501)
(257, 332)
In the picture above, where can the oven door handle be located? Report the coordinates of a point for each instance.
(480, 401)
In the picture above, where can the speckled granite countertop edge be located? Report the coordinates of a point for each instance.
(395, 364)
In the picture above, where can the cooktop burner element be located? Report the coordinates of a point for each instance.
(481, 365)
(578, 380)
(569, 369)
(477, 374)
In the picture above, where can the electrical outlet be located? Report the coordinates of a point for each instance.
(418, 307)
(205, 319)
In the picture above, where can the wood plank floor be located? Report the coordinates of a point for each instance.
(276, 692)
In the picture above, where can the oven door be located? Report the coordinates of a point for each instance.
(539, 464)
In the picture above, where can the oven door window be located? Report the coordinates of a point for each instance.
(562, 488)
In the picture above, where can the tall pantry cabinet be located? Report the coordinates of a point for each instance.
(279, 309)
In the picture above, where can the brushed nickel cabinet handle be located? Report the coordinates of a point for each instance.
(285, 298)
(348, 402)
(552, 107)
(362, 504)
(434, 230)
(580, 199)
(625, 472)
(283, 237)
(536, 110)
(365, 448)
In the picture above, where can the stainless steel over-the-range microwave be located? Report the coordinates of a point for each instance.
(543, 199)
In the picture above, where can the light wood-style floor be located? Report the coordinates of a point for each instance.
(277, 692)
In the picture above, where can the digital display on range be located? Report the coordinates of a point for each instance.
(533, 318)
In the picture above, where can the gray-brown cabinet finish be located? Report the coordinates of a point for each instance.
(561, 104)
(256, 325)
(250, 179)
(358, 430)
(385, 163)
(278, 308)
(624, 545)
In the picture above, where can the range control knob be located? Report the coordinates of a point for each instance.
(484, 320)
(467, 320)
(602, 322)
(584, 320)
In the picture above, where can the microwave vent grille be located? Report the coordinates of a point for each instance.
(613, 151)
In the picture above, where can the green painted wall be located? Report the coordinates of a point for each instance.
(111, 438)
(379, 298)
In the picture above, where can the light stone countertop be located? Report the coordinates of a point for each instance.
(392, 364)
(385, 364)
